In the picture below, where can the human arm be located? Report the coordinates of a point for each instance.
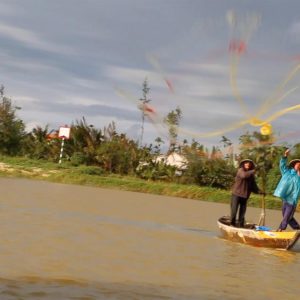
(245, 174)
(248, 176)
(255, 189)
(286, 152)
(282, 164)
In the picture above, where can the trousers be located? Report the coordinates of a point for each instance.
(288, 211)
(238, 204)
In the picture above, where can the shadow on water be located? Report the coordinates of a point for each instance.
(99, 220)
(148, 225)
(64, 289)
(200, 231)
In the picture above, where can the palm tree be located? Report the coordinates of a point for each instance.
(85, 139)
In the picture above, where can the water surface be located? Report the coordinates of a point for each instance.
(72, 242)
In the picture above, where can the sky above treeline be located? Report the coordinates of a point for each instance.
(230, 66)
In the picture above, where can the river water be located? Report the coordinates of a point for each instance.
(73, 242)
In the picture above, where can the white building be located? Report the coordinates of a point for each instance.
(173, 159)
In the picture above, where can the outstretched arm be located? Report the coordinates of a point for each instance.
(245, 174)
(282, 164)
(286, 152)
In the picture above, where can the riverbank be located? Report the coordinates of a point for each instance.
(21, 167)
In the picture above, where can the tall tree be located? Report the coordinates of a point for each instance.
(143, 107)
(172, 120)
(12, 129)
(228, 149)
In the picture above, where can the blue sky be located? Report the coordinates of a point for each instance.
(65, 59)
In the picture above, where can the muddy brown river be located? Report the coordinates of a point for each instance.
(73, 242)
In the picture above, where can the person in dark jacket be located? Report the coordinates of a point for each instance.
(243, 186)
(288, 189)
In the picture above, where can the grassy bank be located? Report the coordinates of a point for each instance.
(91, 176)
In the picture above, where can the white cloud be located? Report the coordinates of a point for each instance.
(17, 63)
(31, 39)
(209, 69)
(60, 61)
(127, 75)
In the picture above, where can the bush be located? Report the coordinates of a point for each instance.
(91, 170)
(78, 158)
(210, 172)
(155, 171)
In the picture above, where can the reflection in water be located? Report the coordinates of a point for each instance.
(70, 242)
(283, 255)
(37, 288)
(266, 272)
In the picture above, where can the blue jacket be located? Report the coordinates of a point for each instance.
(288, 188)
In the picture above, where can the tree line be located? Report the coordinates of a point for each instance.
(109, 151)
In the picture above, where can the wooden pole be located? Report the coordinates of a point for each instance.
(262, 219)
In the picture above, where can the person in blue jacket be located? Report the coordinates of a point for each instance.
(288, 189)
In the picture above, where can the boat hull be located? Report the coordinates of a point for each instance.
(259, 238)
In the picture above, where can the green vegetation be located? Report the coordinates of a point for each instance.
(92, 176)
(106, 158)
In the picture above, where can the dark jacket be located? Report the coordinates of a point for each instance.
(245, 183)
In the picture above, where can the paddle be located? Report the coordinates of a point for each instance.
(262, 219)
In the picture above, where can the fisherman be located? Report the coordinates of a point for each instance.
(288, 189)
(243, 186)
